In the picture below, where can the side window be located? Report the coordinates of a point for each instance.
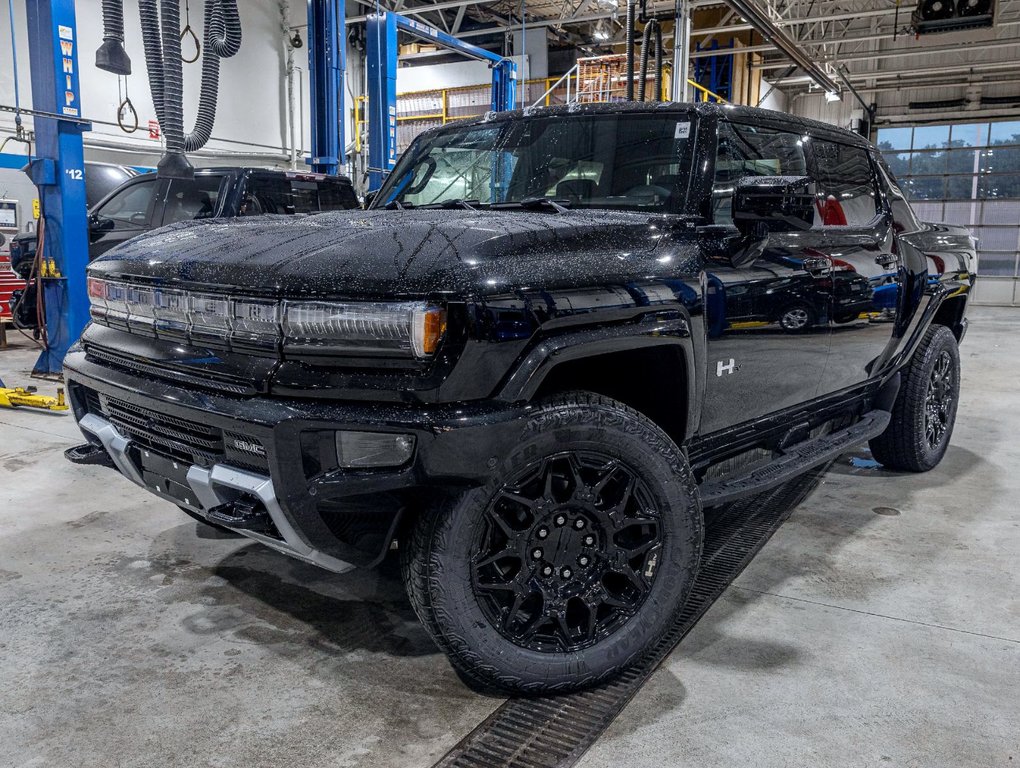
(131, 207)
(745, 150)
(845, 185)
(195, 198)
(278, 194)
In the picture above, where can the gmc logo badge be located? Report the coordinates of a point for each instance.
(246, 446)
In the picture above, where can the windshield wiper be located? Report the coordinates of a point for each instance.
(536, 204)
(454, 203)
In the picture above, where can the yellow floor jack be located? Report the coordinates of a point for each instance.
(26, 397)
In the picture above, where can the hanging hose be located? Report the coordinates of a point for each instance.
(658, 61)
(629, 48)
(651, 27)
(111, 55)
(161, 39)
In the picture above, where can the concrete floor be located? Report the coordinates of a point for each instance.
(128, 637)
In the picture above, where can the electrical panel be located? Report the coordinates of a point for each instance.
(950, 15)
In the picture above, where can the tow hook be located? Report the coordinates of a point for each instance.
(245, 514)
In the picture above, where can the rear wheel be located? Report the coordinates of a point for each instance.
(925, 409)
(797, 318)
(571, 562)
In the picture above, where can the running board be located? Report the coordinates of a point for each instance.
(794, 460)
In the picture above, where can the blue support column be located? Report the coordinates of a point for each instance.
(59, 172)
(381, 54)
(381, 57)
(504, 86)
(327, 61)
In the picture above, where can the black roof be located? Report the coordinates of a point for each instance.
(728, 111)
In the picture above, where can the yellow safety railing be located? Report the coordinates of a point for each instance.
(705, 93)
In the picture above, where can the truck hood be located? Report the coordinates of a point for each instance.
(393, 253)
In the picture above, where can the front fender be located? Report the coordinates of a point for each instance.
(666, 330)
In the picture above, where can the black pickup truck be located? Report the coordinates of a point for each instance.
(554, 337)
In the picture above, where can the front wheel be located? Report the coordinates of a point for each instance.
(571, 562)
(925, 409)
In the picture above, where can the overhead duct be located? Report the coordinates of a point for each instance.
(161, 38)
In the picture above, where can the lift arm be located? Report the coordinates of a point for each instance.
(381, 52)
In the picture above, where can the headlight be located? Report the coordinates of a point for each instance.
(362, 328)
(303, 327)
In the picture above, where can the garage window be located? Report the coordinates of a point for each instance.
(969, 174)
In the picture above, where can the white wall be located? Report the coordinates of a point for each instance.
(776, 99)
(251, 117)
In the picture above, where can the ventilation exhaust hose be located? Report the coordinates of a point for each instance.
(629, 49)
(111, 55)
(161, 22)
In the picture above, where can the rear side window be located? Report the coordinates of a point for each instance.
(279, 194)
(845, 185)
(745, 150)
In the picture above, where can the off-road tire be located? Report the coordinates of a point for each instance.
(440, 558)
(905, 444)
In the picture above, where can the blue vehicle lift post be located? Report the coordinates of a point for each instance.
(381, 52)
(59, 172)
(327, 60)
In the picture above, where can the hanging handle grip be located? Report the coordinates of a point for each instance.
(198, 45)
(129, 108)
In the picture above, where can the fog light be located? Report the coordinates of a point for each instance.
(373, 449)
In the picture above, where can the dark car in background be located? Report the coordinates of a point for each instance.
(145, 202)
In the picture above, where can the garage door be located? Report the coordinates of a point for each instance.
(967, 173)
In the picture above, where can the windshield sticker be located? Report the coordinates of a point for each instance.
(683, 131)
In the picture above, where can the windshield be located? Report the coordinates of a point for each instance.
(629, 161)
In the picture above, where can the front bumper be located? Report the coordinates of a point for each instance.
(332, 517)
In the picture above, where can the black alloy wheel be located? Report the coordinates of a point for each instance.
(568, 553)
(939, 400)
(571, 562)
(925, 409)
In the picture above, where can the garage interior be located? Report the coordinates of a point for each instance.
(875, 622)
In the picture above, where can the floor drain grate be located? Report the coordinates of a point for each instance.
(554, 732)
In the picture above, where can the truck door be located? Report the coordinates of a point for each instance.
(768, 321)
(855, 230)
(129, 211)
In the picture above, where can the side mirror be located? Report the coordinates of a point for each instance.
(765, 204)
(370, 198)
(98, 226)
(2, 238)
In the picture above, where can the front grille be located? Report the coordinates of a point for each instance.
(186, 440)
